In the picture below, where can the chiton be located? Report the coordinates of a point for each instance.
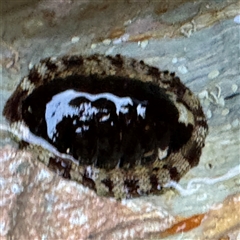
(113, 124)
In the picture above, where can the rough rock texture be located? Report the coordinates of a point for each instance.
(223, 218)
(37, 204)
(202, 47)
(221, 222)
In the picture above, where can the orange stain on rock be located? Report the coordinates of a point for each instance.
(184, 225)
(116, 33)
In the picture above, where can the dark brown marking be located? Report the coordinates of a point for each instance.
(132, 186)
(61, 166)
(154, 182)
(74, 61)
(193, 154)
(116, 61)
(88, 182)
(12, 110)
(50, 65)
(174, 174)
(109, 184)
(34, 77)
(153, 71)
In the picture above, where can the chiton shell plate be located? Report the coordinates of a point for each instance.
(113, 124)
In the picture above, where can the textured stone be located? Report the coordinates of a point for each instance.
(208, 48)
(222, 219)
(36, 203)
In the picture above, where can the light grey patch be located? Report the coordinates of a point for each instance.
(235, 123)
(43, 174)
(234, 88)
(77, 217)
(213, 74)
(16, 189)
(225, 112)
(21, 169)
(50, 199)
(209, 114)
(182, 69)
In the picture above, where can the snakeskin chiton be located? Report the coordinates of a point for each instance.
(114, 124)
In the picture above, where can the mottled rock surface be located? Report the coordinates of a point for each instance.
(202, 47)
(36, 204)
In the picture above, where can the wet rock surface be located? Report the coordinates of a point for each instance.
(202, 53)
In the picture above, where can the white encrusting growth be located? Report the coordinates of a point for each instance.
(237, 19)
(22, 132)
(59, 107)
(208, 181)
